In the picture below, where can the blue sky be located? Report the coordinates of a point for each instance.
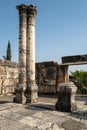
(61, 28)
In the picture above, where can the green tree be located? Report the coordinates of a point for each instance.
(8, 54)
(8, 57)
(80, 80)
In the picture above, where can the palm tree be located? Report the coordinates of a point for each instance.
(80, 80)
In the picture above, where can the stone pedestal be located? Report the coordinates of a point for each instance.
(66, 97)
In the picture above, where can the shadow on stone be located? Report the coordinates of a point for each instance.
(41, 106)
(2, 102)
(79, 114)
(70, 124)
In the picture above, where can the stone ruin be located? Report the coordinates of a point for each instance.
(46, 77)
(49, 76)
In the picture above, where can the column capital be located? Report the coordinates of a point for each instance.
(22, 8)
(32, 10)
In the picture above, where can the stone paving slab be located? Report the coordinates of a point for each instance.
(41, 116)
(33, 117)
(6, 106)
(73, 125)
(6, 124)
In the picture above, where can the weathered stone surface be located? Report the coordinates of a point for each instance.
(68, 125)
(29, 117)
(2, 71)
(77, 58)
(8, 63)
(8, 76)
(46, 76)
(9, 82)
(30, 55)
(66, 97)
(11, 73)
(68, 87)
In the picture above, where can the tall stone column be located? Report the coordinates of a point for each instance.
(32, 88)
(20, 91)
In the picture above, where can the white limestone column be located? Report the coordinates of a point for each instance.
(20, 94)
(30, 58)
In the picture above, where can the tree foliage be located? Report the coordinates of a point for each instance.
(80, 80)
(8, 54)
(8, 51)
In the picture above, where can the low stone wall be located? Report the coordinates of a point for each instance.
(8, 76)
(48, 76)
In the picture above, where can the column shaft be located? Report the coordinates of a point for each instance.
(22, 53)
(30, 62)
(20, 94)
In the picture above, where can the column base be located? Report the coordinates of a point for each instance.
(32, 93)
(20, 94)
(17, 96)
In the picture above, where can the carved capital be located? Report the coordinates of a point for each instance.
(32, 10)
(22, 9)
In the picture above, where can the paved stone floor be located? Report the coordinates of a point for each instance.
(40, 116)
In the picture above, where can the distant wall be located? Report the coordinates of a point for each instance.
(48, 76)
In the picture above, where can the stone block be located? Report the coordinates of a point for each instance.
(32, 93)
(66, 97)
(0, 86)
(49, 82)
(12, 73)
(2, 70)
(48, 89)
(9, 82)
(9, 89)
(76, 58)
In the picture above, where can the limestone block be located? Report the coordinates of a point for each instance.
(49, 72)
(68, 87)
(9, 89)
(0, 86)
(46, 89)
(9, 82)
(3, 90)
(32, 93)
(0, 82)
(49, 82)
(12, 72)
(66, 97)
(77, 58)
(2, 70)
(50, 126)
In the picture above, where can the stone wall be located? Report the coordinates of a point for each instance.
(48, 76)
(8, 76)
(62, 74)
